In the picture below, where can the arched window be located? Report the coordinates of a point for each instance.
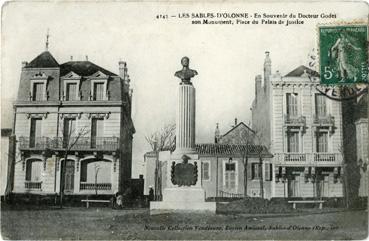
(89, 168)
(33, 170)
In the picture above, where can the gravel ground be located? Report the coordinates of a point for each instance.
(108, 224)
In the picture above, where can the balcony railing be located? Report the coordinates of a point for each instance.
(326, 157)
(32, 185)
(73, 143)
(34, 142)
(326, 120)
(295, 157)
(93, 186)
(290, 120)
(308, 158)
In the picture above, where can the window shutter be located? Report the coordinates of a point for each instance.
(252, 171)
(271, 171)
(28, 170)
(266, 172)
(84, 171)
(249, 171)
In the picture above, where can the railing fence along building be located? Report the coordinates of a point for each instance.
(81, 143)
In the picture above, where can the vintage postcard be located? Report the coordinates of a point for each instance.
(184, 120)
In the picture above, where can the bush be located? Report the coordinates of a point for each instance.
(256, 205)
(277, 205)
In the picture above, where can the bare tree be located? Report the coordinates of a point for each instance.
(161, 140)
(345, 181)
(70, 139)
(260, 151)
(97, 169)
(246, 139)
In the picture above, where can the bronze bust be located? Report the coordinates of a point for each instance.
(186, 73)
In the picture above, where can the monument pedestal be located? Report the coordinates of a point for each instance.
(182, 199)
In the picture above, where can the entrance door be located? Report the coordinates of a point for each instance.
(323, 187)
(69, 177)
(293, 186)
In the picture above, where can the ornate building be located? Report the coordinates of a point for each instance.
(303, 130)
(76, 111)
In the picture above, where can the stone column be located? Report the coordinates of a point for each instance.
(185, 121)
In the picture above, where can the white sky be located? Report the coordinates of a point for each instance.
(227, 57)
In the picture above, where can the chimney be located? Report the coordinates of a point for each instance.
(235, 121)
(24, 64)
(267, 69)
(122, 69)
(86, 57)
(217, 134)
(71, 58)
(257, 85)
(123, 73)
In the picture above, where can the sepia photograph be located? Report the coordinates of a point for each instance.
(184, 120)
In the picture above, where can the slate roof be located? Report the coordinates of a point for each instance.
(82, 68)
(44, 60)
(231, 150)
(299, 71)
(210, 149)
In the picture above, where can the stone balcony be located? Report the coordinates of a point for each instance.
(324, 121)
(74, 143)
(312, 159)
(294, 121)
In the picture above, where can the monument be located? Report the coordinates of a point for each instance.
(183, 190)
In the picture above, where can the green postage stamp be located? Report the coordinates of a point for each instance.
(343, 54)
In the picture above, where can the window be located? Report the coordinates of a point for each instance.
(98, 91)
(68, 131)
(292, 104)
(230, 175)
(33, 170)
(97, 130)
(322, 142)
(35, 132)
(90, 167)
(320, 105)
(255, 172)
(292, 141)
(71, 91)
(205, 171)
(38, 92)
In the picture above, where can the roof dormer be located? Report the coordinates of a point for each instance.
(71, 87)
(99, 75)
(38, 87)
(99, 87)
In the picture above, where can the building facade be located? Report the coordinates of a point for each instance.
(303, 130)
(73, 126)
(227, 166)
